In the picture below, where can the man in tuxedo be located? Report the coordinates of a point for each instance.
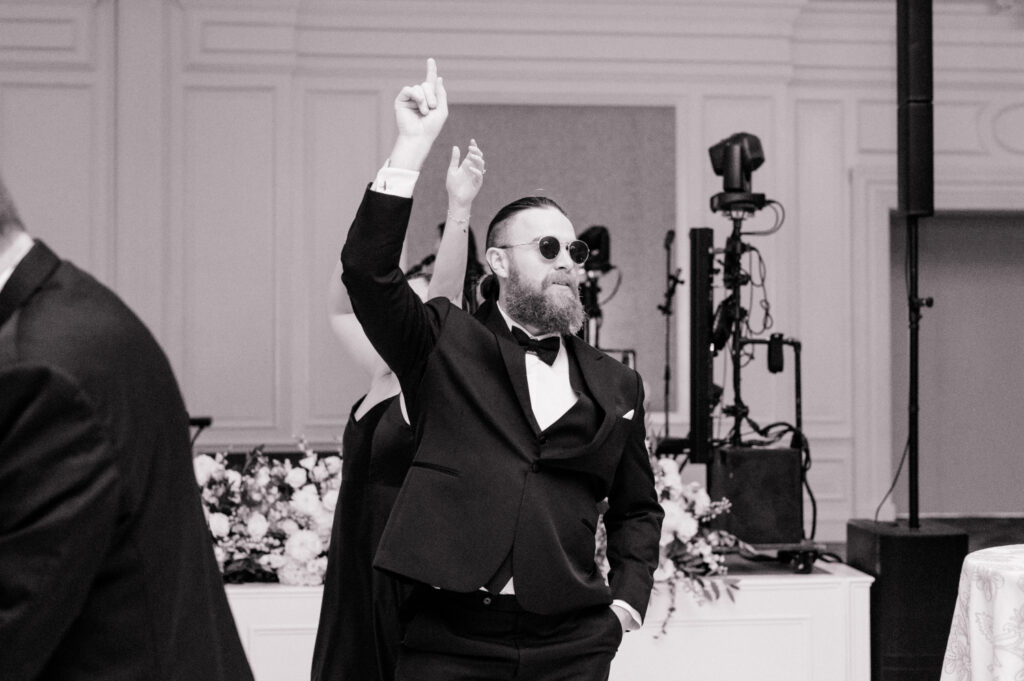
(497, 515)
(106, 565)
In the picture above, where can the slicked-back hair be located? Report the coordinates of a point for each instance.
(489, 287)
(495, 229)
(9, 218)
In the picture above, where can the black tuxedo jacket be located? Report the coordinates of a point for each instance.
(106, 566)
(485, 479)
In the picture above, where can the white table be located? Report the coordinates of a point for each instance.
(782, 627)
(986, 639)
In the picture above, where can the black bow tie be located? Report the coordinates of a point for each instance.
(546, 349)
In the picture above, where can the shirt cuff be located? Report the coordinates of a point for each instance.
(638, 621)
(395, 181)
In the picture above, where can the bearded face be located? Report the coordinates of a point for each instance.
(552, 306)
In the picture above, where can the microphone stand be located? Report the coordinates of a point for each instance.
(200, 423)
(672, 280)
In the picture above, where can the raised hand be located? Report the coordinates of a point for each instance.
(420, 113)
(465, 179)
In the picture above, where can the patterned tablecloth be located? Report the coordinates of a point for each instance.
(986, 639)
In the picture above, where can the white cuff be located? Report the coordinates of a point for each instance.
(637, 619)
(395, 181)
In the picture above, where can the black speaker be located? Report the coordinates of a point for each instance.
(915, 133)
(913, 51)
(916, 159)
(764, 486)
(916, 573)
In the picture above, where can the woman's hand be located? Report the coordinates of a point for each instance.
(464, 179)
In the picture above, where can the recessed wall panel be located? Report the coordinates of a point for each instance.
(824, 263)
(48, 148)
(231, 274)
(338, 165)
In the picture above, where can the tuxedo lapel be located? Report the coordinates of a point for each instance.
(512, 356)
(33, 270)
(602, 389)
(592, 364)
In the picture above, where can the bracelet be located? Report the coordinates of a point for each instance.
(458, 221)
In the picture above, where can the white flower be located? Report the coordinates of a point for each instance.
(303, 546)
(272, 561)
(666, 570)
(673, 517)
(301, 574)
(318, 567)
(219, 525)
(296, 478)
(330, 500)
(263, 476)
(307, 501)
(257, 525)
(322, 523)
(670, 473)
(204, 466)
(687, 527)
(333, 464)
(695, 494)
(234, 479)
(318, 473)
(308, 462)
(288, 526)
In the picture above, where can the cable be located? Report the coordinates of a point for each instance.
(906, 446)
(895, 479)
(618, 283)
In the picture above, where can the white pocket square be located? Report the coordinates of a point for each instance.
(629, 414)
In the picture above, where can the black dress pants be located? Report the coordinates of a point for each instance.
(484, 637)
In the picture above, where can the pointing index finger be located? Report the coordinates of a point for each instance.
(430, 84)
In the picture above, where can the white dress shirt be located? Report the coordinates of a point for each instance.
(12, 255)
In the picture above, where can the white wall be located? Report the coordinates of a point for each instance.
(204, 158)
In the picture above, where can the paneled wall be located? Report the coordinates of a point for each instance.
(204, 158)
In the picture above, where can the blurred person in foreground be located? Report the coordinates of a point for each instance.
(521, 431)
(107, 570)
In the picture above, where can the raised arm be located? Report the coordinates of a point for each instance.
(420, 113)
(394, 318)
(463, 183)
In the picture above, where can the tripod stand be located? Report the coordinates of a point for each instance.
(730, 323)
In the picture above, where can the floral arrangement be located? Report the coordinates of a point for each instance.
(691, 550)
(269, 518)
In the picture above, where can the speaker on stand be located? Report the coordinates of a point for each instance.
(916, 566)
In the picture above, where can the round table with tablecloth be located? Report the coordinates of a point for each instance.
(986, 638)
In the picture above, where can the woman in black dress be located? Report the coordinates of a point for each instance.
(360, 628)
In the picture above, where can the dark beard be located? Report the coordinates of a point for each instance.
(534, 308)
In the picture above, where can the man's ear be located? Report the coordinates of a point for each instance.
(497, 260)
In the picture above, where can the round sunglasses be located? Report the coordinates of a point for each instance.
(550, 247)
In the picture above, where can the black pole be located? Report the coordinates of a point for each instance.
(915, 325)
(914, 305)
(667, 310)
(734, 280)
(672, 280)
